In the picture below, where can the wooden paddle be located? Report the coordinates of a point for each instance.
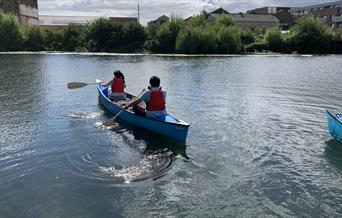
(77, 85)
(110, 122)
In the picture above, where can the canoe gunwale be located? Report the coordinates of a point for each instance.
(335, 118)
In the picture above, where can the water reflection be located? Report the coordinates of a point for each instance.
(258, 138)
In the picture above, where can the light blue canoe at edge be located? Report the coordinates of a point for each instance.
(335, 127)
(171, 127)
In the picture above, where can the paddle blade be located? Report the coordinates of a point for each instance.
(76, 85)
(110, 122)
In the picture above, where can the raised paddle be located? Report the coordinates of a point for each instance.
(110, 122)
(77, 85)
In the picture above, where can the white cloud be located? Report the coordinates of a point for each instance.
(152, 9)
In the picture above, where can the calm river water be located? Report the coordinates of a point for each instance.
(258, 143)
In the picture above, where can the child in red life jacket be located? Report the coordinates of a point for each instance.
(117, 87)
(155, 99)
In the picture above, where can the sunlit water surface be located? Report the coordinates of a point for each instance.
(258, 143)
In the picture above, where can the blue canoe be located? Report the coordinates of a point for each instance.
(164, 125)
(335, 126)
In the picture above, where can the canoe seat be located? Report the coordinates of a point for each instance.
(339, 117)
(165, 118)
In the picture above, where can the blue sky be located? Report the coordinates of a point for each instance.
(152, 9)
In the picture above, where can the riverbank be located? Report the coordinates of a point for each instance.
(160, 55)
(198, 36)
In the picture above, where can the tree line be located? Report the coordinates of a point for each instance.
(196, 36)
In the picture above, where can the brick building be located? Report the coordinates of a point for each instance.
(330, 13)
(25, 10)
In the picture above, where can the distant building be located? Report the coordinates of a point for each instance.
(159, 21)
(58, 22)
(25, 10)
(124, 19)
(286, 19)
(188, 19)
(218, 11)
(268, 10)
(250, 21)
(330, 13)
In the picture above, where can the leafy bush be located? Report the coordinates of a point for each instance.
(229, 40)
(310, 36)
(224, 21)
(167, 34)
(206, 37)
(11, 33)
(35, 39)
(106, 36)
(195, 40)
(198, 21)
(255, 47)
(338, 34)
(248, 37)
(273, 39)
(54, 40)
(74, 37)
(134, 37)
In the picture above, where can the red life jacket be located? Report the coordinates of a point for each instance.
(118, 85)
(156, 102)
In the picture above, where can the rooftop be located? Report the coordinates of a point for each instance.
(241, 17)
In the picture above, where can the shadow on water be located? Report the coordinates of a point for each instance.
(333, 152)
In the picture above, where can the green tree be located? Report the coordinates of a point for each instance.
(166, 35)
(224, 20)
(74, 38)
(198, 21)
(35, 39)
(229, 40)
(273, 39)
(104, 35)
(53, 40)
(134, 37)
(196, 40)
(248, 37)
(310, 36)
(11, 33)
(338, 34)
(107, 36)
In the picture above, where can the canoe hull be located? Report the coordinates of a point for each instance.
(173, 130)
(335, 127)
